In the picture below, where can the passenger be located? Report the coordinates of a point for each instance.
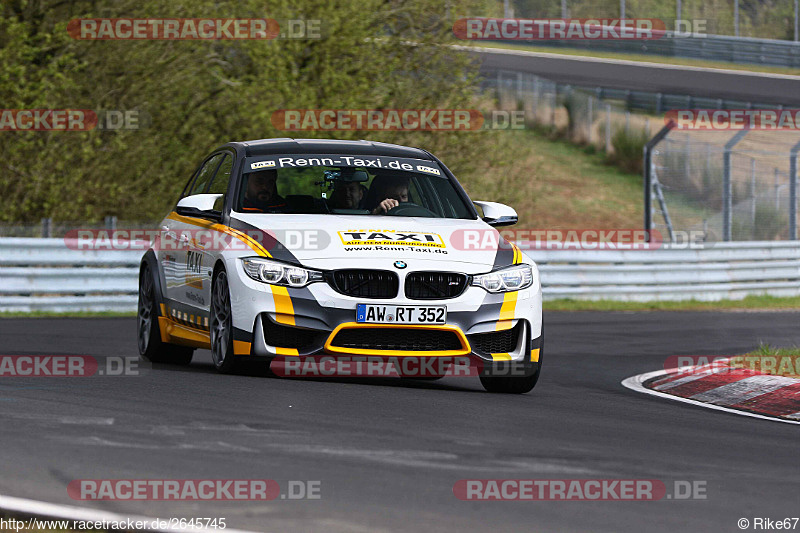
(262, 191)
(347, 195)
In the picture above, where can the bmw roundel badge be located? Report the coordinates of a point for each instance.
(400, 264)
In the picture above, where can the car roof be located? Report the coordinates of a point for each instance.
(327, 146)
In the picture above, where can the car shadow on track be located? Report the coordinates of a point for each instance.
(260, 369)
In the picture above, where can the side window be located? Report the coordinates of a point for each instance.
(205, 175)
(413, 193)
(219, 185)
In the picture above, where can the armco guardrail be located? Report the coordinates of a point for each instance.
(46, 275)
(721, 271)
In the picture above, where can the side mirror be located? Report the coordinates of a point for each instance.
(199, 205)
(496, 214)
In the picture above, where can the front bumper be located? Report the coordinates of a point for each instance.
(312, 344)
(492, 329)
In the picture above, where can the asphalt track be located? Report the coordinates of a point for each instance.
(757, 87)
(388, 451)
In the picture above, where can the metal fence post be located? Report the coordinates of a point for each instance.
(608, 128)
(47, 228)
(591, 120)
(686, 166)
(793, 192)
(648, 174)
(727, 193)
(753, 193)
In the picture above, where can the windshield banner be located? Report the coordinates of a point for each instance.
(253, 164)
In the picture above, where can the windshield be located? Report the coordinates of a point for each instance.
(359, 185)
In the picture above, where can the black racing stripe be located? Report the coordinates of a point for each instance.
(242, 335)
(505, 253)
(275, 248)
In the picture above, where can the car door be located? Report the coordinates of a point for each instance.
(200, 256)
(182, 269)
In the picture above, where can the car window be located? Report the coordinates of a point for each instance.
(205, 175)
(320, 190)
(221, 180)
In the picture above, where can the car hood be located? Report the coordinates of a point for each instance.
(353, 241)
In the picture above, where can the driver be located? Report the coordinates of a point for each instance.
(387, 192)
(262, 191)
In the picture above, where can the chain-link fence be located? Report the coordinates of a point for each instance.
(48, 227)
(584, 115)
(732, 185)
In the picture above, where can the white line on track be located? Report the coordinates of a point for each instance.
(52, 511)
(635, 383)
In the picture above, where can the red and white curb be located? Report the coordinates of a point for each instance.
(51, 511)
(718, 386)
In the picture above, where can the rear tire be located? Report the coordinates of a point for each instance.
(221, 326)
(148, 332)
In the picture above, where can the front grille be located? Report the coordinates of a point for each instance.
(291, 337)
(497, 341)
(365, 283)
(435, 285)
(415, 340)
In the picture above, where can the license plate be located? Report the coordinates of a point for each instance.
(401, 314)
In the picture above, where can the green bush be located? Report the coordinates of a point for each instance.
(201, 94)
(628, 149)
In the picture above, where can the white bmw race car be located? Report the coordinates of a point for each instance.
(285, 248)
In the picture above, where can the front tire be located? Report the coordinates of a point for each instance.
(148, 332)
(511, 385)
(221, 325)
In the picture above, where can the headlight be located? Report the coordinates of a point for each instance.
(513, 278)
(276, 273)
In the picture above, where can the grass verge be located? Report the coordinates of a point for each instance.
(764, 303)
(554, 184)
(771, 360)
(758, 303)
